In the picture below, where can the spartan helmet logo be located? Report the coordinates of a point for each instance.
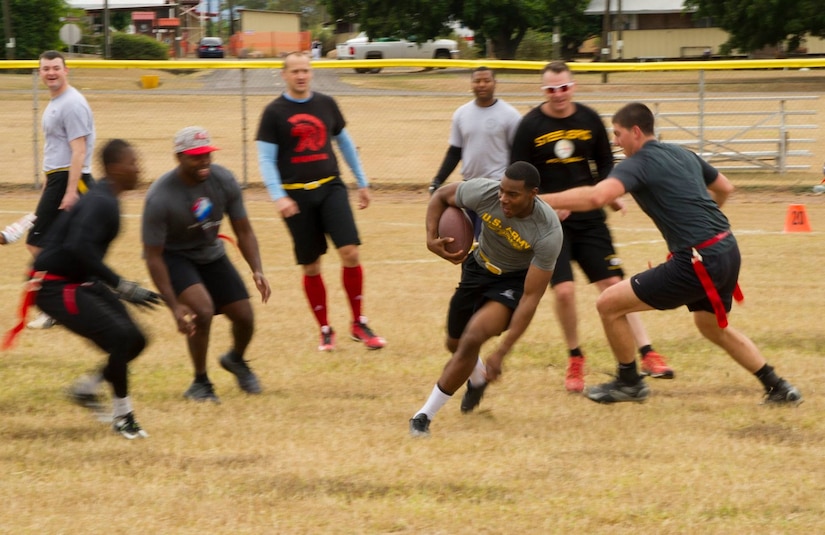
(311, 133)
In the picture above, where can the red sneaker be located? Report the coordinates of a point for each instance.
(574, 380)
(654, 365)
(362, 333)
(327, 339)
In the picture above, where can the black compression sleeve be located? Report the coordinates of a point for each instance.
(451, 159)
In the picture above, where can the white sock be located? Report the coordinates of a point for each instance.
(477, 378)
(122, 406)
(434, 403)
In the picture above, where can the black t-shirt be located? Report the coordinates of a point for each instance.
(79, 239)
(303, 132)
(568, 152)
(670, 184)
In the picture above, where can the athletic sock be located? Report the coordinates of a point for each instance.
(478, 377)
(316, 294)
(434, 403)
(644, 350)
(353, 280)
(628, 373)
(201, 378)
(576, 352)
(121, 406)
(767, 376)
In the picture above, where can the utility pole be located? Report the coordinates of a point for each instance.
(106, 52)
(619, 41)
(605, 49)
(178, 37)
(10, 44)
(231, 18)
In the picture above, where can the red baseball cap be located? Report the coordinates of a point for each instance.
(193, 140)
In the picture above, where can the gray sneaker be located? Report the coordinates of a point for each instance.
(616, 391)
(201, 392)
(783, 394)
(42, 321)
(247, 380)
(83, 394)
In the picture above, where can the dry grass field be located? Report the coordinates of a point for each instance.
(325, 448)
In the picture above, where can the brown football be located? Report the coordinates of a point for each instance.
(454, 223)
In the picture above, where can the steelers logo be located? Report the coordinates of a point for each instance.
(564, 149)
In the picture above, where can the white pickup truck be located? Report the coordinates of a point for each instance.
(361, 47)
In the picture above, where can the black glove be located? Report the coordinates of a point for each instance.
(131, 292)
(434, 185)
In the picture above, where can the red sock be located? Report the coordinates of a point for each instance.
(317, 296)
(353, 279)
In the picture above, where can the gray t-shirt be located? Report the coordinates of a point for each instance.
(485, 136)
(670, 184)
(511, 244)
(186, 219)
(66, 118)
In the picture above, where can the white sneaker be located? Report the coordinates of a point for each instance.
(42, 321)
(15, 231)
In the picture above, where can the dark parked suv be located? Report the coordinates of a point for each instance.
(210, 47)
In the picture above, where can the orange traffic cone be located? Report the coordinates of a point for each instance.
(797, 219)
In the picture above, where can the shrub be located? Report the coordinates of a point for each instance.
(126, 46)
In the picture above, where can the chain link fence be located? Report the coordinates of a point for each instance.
(752, 120)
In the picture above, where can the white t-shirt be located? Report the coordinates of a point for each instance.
(485, 136)
(66, 118)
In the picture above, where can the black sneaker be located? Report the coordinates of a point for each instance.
(128, 427)
(91, 401)
(420, 425)
(616, 391)
(472, 397)
(247, 380)
(201, 392)
(783, 393)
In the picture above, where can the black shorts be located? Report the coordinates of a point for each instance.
(220, 278)
(477, 286)
(588, 243)
(91, 310)
(675, 283)
(323, 211)
(48, 207)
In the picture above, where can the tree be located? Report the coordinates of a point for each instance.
(35, 26)
(503, 23)
(416, 19)
(499, 24)
(755, 24)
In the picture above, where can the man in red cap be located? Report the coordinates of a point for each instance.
(188, 263)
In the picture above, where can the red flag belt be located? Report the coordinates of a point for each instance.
(707, 283)
(36, 279)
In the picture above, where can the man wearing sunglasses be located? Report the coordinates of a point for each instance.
(568, 144)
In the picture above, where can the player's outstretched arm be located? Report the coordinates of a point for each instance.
(184, 317)
(248, 244)
(535, 285)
